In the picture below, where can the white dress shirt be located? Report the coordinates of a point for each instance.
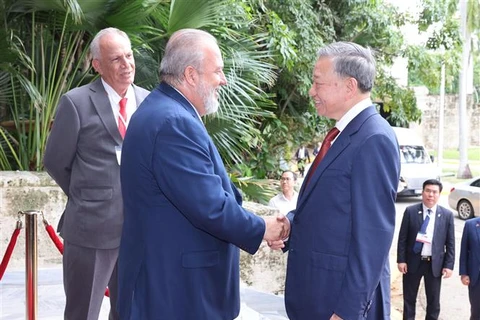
(114, 99)
(283, 204)
(427, 247)
(351, 114)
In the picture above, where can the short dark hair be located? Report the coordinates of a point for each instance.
(293, 174)
(433, 182)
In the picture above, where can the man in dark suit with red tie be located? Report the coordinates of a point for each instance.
(342, 228)
(470, 264)
(426, 249)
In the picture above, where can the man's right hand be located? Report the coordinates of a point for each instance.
(276, 228)
(465, 279)
(402, 267)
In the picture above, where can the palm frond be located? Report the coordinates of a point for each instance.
(199, 14)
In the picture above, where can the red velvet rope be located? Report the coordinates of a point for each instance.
(58, 243)
(54, 237)
(8, 252)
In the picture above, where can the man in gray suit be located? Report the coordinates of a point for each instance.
(426, 249)
(82, 156)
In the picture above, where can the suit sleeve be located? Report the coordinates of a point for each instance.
(62, 143)
(449, 260)
(464, 249)
(374, 181)
(290, 215)
(184, 167)
(403, 238)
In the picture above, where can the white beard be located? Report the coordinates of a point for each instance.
(210, 103)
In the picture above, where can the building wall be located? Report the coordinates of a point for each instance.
(21, 191)
(429, 130)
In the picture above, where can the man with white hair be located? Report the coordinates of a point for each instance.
(184, 222)
(81, 156)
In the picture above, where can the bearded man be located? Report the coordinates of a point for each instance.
(184, 223)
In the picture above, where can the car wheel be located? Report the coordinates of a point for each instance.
(465, 209)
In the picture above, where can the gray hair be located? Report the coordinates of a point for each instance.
(95, 44)
(183, 50)
(351, 60)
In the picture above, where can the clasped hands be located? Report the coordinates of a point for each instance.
(277, 229)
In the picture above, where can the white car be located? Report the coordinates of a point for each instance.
(465, 198)
(416, 164)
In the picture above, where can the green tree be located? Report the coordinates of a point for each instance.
(269, 49)
(296, 30)
(377, 24)
(47, 44)
(52, 39)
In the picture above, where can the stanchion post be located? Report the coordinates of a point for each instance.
(31, 262)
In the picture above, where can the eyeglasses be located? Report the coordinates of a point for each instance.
(285, 179)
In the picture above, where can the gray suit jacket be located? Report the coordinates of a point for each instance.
(80, 156)
(443, 242)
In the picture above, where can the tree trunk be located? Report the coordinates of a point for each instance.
(463, 168)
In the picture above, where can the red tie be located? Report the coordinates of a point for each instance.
(122, 118)
(323, 151)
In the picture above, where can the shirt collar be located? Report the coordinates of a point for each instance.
(115, 96)
(352, 113)
(295, 195)
(425, 209)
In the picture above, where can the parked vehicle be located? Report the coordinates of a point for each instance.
(465, 198)
(416, 164)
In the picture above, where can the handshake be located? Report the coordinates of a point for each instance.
(277, 229)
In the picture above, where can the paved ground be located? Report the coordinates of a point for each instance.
(51, 300)
(255, 305)
(454, 296)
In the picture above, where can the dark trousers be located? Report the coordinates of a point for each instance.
(474, 295)
(86, 274)
(411, 283)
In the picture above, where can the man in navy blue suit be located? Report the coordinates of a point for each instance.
(342, 228)
(426, 249)
(184, 223)
(470, 264)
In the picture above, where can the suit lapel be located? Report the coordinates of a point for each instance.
(343, 141)
(138, 98)
(102, 105)
(419, 216)
(340, 144)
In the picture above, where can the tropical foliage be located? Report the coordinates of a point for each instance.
(269, 48)
(443, 46)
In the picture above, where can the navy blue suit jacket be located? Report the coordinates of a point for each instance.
(342, 229)
(470, 252)
(443, 242)
(179, 256)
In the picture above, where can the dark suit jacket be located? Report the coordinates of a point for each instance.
(470, 251)
(80, 156)
(343, 226)
(183, 218)
(443, 242)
